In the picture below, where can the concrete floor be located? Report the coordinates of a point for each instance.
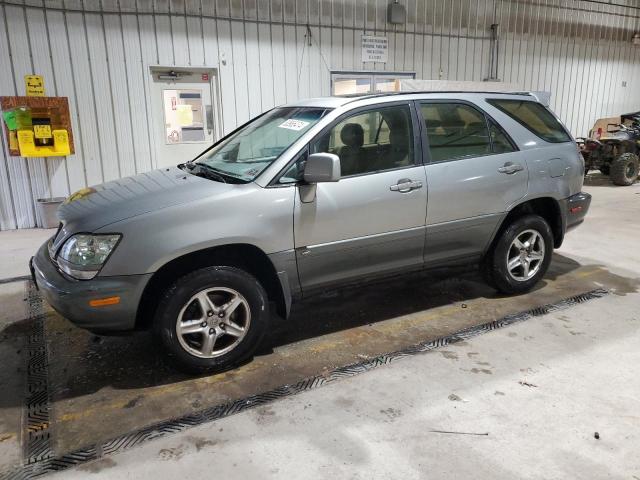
(16, 247)
(524, 401)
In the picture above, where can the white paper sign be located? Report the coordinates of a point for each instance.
(292, 124)
(374, 49)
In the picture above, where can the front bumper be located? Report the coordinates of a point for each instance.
(70, 298)
(575, 209)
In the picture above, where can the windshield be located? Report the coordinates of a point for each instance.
(246, 153)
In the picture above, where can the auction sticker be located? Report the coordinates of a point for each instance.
(292, 124)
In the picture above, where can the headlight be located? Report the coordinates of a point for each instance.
(82, 256)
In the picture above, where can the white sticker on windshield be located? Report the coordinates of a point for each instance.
(292, 124)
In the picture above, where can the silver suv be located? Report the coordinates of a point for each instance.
(309, 196)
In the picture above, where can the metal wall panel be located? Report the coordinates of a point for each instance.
(98, 53)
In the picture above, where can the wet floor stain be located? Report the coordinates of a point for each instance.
(98, 466)
(391, 413)
(344, 402)
(200, 442)
(171, 454)
(481, 370)
(133, 402)
(449, 354)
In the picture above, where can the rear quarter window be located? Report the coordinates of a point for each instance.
(534, 117)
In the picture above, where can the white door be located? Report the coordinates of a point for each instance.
(184, 114)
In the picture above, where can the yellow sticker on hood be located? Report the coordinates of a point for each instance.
(83, 192)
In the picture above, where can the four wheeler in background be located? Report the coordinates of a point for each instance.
(613, 147)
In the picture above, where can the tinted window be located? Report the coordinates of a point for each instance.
(500, 142)
(455, 130)
(534, 117)
(371, 141)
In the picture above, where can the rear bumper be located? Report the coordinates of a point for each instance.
(575, 209)
(71, 298)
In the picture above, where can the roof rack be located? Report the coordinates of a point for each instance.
(541, 97)
(360, 96)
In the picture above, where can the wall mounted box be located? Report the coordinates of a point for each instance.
(42, 128)
(396, 13)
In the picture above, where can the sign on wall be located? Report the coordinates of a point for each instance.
(374, 49)
(34, 85)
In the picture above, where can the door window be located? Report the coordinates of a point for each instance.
(455, 130)
(371, 141)
(184, 116)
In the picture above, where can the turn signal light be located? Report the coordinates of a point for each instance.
(102, 302)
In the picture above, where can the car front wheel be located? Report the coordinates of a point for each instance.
(212, 319)
(521, 255)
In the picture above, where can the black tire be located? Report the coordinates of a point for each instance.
(494, 267)
(625, 169)
(604, 169)
(178, 295)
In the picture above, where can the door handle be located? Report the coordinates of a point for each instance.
(510, 168)
(405, 185)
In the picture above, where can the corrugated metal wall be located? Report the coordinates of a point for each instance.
(98, 53)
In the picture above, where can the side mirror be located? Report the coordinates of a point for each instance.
(322, 167)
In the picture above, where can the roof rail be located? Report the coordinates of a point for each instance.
(539, 96)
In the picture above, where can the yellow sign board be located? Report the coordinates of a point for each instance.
(42, 131)
(34, 85)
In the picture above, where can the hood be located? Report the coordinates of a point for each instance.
(92, 208)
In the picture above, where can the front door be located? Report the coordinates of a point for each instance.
(475, 174)
(184, 112)
(373, 219)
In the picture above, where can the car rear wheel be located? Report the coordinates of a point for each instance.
(520, 256)
(212, 319)
(625, 169)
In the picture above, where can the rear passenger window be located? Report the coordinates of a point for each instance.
(455, 130)
(372, 141)
(534, 117)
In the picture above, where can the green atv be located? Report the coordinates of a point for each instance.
(613, 147)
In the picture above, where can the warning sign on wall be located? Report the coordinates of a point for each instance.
(374, 49)
(34, 85)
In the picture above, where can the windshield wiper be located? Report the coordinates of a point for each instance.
(210, 172)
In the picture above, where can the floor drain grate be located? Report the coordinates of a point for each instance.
(38, 435)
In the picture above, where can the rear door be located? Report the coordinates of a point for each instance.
(373, 219)
(474, 173)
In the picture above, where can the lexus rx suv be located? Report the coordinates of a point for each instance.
(307, 197)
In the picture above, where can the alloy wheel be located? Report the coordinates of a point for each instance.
(213, 322)
(525, 255)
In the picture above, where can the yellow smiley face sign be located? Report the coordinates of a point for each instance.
(34, 85)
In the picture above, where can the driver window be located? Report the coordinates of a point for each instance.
(372, 141)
